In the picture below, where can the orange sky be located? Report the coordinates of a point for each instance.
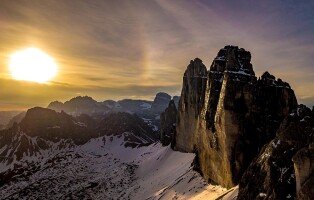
(119, 49)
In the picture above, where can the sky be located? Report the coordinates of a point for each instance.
(116, 49)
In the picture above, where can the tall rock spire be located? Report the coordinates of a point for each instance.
(191, 104)
(227, 116)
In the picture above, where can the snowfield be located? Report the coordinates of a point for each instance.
(104, 168)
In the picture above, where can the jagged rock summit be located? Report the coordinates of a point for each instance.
(226, 114)
(234, 60)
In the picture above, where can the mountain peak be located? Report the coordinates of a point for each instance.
(268, 79)
(196, 60)
(161, 102)
(196, 68)
(83, 98)
(233, 59)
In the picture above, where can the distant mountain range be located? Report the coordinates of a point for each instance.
(87, 105)
(6, 116)
(31, 137)
(148, 110)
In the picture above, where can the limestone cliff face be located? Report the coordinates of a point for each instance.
(190, 105)
(227, 117)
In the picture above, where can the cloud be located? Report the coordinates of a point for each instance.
(22, 94)
(140, 47)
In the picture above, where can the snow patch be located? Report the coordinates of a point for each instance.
(262, 194)
(275, 145)
(104, 169)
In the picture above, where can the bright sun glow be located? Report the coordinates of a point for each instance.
(32, 65)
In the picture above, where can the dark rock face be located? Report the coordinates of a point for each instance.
(41, 130)
(138, 107)
(57, 106)
(176, 100)
(79, 105)
(16, 119)
(284, 168)
(168, 123)
(6, 116)
(148, 110)
(161, 102)
(86, 105)
(51, 125)
(226, 115)
(135, 130)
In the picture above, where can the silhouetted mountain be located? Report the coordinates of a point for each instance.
(87, 105)
(135, 130)
(161, 102)
(6, 116)
(51, 125)
(139, 107)
(147, 110)
(168, 123)
(16, 119)
(57, 106)
(80, 105)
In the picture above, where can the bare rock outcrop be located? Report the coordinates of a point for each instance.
(284, 167)
(226, 114)
(136, 132)
(168, 123)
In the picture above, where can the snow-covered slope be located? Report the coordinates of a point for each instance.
(103, 168)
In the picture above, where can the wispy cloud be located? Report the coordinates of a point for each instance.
(137, 48)
(26, 94)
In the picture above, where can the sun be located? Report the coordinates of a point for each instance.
(32, 64)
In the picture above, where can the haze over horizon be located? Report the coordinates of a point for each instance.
(123, 49)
